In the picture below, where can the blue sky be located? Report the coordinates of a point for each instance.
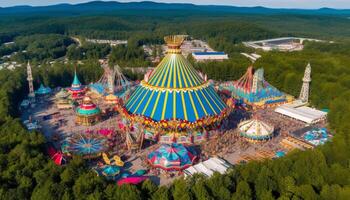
(267, 3)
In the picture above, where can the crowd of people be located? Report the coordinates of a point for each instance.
(221, 141)
(282, 124)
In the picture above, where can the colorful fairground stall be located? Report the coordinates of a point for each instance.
(255, 91)
(63, 100)
(87, 113)
(255, 130)
(43, 91)
(77, 90)
(174, 99)
(172, 157)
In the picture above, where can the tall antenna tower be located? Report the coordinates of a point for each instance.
(31, 94)
(304, 92)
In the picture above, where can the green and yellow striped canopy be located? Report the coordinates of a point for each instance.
(174, 71)
(175, 91)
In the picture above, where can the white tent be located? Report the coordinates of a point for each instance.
(256, 129)
(303, 113)
(208, 167)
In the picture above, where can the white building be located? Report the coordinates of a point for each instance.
(208, 167)
(302, 113)
(209, 56)
(280, 44)
(110, 42)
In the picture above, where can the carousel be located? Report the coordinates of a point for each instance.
(172, 157)
(255, 130)
(77, 90)
(87, 113)
(174, 98)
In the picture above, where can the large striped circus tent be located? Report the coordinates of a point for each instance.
(175, 95)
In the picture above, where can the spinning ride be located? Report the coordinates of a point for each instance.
(87, 145)
(172, 157)
(87, 113)
(255, 130)
(174, 96)
(113, 84)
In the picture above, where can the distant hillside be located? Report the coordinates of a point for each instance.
(110, 6)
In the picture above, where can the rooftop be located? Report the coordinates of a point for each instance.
(208, 53)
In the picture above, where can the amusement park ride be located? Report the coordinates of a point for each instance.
(255, 91)
(112, 85)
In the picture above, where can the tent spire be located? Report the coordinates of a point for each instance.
(76, 81)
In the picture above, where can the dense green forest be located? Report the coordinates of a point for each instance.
(322, 173)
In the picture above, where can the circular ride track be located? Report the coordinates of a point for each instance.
(87, 145)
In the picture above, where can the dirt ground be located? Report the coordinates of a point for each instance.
(227, 144)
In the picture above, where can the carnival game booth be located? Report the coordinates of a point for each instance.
(43, 91)
(62, 100)
(172, 157)
(255, 130)
(174, 97)
(87, 113)
(255, 91)
(77, 90)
